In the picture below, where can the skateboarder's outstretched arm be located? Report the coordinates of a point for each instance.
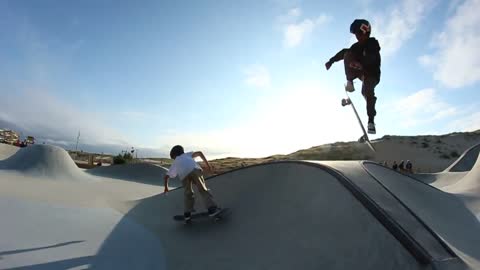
(165, 179)
(200, 154)
(172, 173)
(337, 57)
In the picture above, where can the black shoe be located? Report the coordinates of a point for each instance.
(349, 86)
(187, 217)
(213, 211)
(371, 128)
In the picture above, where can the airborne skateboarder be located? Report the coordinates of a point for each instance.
(362, 61)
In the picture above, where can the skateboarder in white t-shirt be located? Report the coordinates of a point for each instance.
(190, 173)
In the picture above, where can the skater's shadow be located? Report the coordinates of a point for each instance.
(11, 252)
(59, 265)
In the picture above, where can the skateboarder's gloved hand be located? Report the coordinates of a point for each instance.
(328, 65)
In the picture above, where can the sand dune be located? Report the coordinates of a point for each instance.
(285, 215)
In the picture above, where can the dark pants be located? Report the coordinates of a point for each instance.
(368, 86)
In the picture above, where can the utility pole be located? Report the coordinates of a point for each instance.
(78, 138)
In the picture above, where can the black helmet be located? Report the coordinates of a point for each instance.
(360, 26)
(176, 151)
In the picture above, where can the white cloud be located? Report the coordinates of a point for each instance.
(426, 61)
(300, 116)
(296, 32)
(470, 122)
(136, 115)
(398, 24)
(294, 13)
(422, 107)
(257, 76)
(456, 61)
(43, 116)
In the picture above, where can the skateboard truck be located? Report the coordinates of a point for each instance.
(362, 139)
(346, 101)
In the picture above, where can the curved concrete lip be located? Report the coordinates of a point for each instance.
(39, 235)
(285, 215)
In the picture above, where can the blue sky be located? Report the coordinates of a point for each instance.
(230, 78)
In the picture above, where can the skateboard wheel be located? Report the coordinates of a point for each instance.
(346, 102)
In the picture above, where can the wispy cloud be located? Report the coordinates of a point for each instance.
(422, 107)
(456, 61)
(467, 122)
(40, 114)
(300, 116)
(136, 115)
(426, 60)
(257, 76)
(28, 107)
(294, 13)
(295, 32)
(399, 23)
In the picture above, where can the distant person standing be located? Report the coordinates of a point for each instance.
(409, 166)
(395, 165)
(401, 166)
(190, 173)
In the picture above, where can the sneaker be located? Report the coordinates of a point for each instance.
(371, 128)
(349, 86)
(187, 217)
(213, 211)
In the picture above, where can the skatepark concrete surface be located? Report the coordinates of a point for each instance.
(7, 150)
(145, 173)
(284, 215)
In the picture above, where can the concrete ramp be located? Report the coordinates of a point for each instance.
(472, 179)
(468, 188)
(444, 214)
(7, 150)
(455, 173)
(466, 161)
(287, 215)
(144, 173)
(42, 161)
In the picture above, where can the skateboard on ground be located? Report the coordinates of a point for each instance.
(204, 215)
(364, 138)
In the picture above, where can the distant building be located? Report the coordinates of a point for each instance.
(9, 136)
(30, 140)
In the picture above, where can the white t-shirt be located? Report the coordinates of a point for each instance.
(182, 166)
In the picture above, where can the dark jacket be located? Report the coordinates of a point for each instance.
(368, 54)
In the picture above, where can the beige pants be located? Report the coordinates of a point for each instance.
(196, 177)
